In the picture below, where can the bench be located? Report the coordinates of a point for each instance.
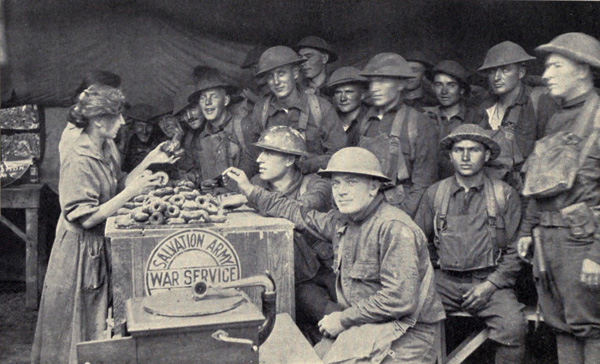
(472, 342)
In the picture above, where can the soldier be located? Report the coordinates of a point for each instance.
(143, 135)
(385, 281)
(517, 119)
(348, 90)
(312, 115)
(221, 143)
(400, 136)
(317, 53)
(472, 221)
(280, 148)
(561, 216)
(451, 88)
(192, 121)
(418, 92)
(259, 87)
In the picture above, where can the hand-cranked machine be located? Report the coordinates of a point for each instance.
(207, 324)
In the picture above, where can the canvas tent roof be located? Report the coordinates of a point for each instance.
(154, 44)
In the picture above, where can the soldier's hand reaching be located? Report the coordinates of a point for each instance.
(590, 273)
(524, 248)
(240, 178)
(331, 325)
(478, 295)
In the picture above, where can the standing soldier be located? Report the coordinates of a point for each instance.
(385, 281)
(400, 136)
(280, 148)
(517, 119)
(418, 93)
(451, 88)
(348, 90)
(472, 220)
(317, 53)
(563, 181)
(312, 115)
(144, 135)
(221, 143)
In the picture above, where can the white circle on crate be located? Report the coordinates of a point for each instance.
(189, 256)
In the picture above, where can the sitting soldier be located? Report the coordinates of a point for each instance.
(472, 220)
(390, 311)
(280, 148)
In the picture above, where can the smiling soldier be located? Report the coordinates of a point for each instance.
(313, 116)
(384, 278)
(472, 221)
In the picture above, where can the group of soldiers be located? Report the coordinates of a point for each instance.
(412, 195)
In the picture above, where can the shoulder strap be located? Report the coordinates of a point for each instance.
(440, 206)
(315, 109)
(395, 149)
(304, 184)
(413, 132)
(265, 111)
(496, 204)
(592, 111)
(534, 96)
(237, 129)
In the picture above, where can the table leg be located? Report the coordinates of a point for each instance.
(31, 258)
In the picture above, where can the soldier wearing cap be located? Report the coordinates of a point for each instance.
(348, 90)
(418, 92)
(385, 282)
(143, 136)
(280, 149)
(221, 143)
(471, 221)
(564, 222)
(317, 53)
(400, 136)
(312, 115)
(451, 88)
(517, 118)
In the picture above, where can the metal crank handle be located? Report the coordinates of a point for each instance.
(222, 335)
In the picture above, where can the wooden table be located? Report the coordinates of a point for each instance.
(152, 259)
(28, 197)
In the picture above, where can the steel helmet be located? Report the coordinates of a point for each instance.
(319, 44)
(503, 54)
(354, 160)
(212, 78)
(387, 65)
(470, 132)
(276, 57)
(344, 75)
(253, 56)
(140, 112)
(181, 98)
(283, 139)
(418, 56)
(577, 46)
(453, 69)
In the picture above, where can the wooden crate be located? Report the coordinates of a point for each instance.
(261, 244)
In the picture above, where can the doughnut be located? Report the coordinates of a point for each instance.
(123, 211)
(212, 209)
(140, 216)
(181, 189)
(157, 206)
(189, 184)
(163, 191)
(177, 200)
(190, 205)
(172, 211)
(218, 218)
(175, 221)
(188, 195)
(132, 205)
(156, 218)
(196, 221)
(139, 198)
(197, 214)
(162, 176)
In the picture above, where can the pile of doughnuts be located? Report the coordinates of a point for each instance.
(178, 202)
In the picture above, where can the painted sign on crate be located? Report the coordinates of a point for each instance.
(189, 256)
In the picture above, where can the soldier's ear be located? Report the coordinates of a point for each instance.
(296, 72)
(488, 154)
(227, 100)
(522, 71)
(374, 187)
(324, 57)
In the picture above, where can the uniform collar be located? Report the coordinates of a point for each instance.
(522, 99)
(277, 106)
(368, 211)
(373, 111)
(290, 189)
(462, 112)
(455, 188)
(210, 129)
(578, 101)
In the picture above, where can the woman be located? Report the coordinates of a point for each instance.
(76, 292)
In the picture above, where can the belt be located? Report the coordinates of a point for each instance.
(552, 218)
(469, 274)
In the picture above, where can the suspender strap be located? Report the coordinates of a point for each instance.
(265, 111)
(315, 109)
(394, 141)
(237, 130)
(492, 211)
(441, 200)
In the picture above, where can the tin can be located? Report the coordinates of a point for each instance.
(34, 175)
